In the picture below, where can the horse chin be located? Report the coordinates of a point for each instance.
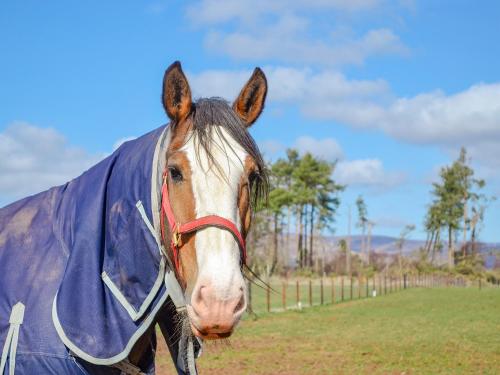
(210, 335)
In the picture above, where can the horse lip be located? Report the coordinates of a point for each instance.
(209, 336)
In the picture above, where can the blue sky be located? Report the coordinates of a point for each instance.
(391, 89)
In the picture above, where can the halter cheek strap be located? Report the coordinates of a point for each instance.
(178, 229)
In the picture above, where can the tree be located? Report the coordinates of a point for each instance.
(449, 194)
(450, 209)
(344, 250)
(401, 242)
(433, 225)
(280, 198)
(303, 186)
(362, 223)
(316, 198)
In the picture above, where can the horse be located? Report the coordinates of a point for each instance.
(154, 234)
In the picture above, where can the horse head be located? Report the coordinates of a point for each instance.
(214, 175)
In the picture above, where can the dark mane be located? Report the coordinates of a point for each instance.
(206, 113)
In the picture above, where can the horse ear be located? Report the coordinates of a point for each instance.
(250, 102)
(176, 94)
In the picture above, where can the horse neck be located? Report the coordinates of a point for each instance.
(140, 352)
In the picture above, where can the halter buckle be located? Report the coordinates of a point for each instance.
(176, 237)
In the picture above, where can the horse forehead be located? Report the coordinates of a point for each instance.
(228, 155)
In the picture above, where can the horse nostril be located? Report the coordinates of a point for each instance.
(199, 296)
(240, 306)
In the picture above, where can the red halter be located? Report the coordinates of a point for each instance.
(178, 229)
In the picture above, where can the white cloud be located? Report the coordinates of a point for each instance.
(221, 83)
(368, 173)
(310, 90)
(33, 159)
(470, 118)
(472, 115)
(287, 31)
(325, 148)
(285, 42)
(211, 12)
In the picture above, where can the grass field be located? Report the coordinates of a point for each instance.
(416, 331)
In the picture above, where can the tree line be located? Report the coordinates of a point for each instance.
(304, 200)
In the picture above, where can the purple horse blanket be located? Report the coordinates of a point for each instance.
(83, 274)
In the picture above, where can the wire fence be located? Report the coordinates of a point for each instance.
(299, 293)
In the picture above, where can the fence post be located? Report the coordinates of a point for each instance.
(367, 286)
(297, 292)
(404, 281)
(342, 288)
(479, 284)
(350, 294)
(283, 295)
(310, 293)
(333, 290)
(268, 299)
(321, 288)
(249, 303)
(359, 286)
(385, 284)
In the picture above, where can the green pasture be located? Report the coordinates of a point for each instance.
(414, 331)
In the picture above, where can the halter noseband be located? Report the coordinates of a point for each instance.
(178, 229)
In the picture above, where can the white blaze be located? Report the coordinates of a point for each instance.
(216, 193)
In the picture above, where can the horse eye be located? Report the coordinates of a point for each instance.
(175, 174)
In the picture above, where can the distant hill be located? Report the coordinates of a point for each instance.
(388, 244)
(328, 245)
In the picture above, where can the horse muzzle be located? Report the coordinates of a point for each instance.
(214, 318)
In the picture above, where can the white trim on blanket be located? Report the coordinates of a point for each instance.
(131, 310)
(10, 346)
(156, 176)
(118, 357)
